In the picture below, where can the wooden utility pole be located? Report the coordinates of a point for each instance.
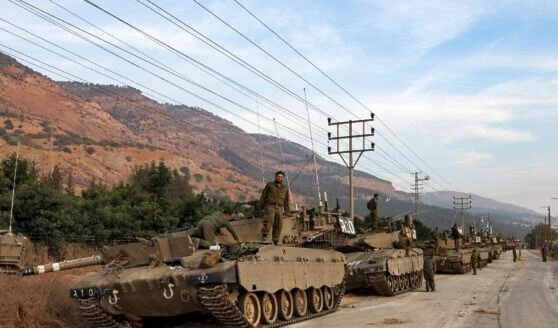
(462, 203)
(416, 189)
(353, 148)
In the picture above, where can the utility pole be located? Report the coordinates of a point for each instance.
(462, 203)
(353, 148)
(549, 233)
(416, 189)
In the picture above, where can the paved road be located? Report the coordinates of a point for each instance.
(529, 297)
(503, 295)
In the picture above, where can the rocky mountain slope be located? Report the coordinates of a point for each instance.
(101, 132)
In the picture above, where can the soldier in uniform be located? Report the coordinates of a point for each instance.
(544, 252)
(455, 235)
(475, 260)
(211, 223)
(372, 205)
(275, 202)
(429, 270)
(514, 251)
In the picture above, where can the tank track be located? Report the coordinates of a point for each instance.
(91, 310)
(379, 282)
(217, 300)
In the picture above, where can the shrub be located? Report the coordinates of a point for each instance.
(9, 124)
(198, 177)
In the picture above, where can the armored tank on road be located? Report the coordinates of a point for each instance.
(241, 285)
(384, 266)
(12, 252)
(376, 261)
(450, 260)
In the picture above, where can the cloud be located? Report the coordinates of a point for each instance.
(490, 133)
(426, 24)
(472, 158)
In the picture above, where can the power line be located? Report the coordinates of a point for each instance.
(342, 88)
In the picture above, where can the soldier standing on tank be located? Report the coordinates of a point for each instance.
(275, 202)
(544, 252)
(372, 205)
(455, 235)
(474, 260)
(429, 270)
(211, 223)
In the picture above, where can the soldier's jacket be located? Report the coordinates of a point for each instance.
(276, 195)
(219, 221)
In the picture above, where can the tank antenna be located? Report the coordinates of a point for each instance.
(261, 145)
(283, 161)
(13, 190)
(313, 152)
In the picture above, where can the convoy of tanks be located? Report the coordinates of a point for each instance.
(254, 283)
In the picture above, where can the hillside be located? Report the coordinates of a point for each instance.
(101, 132)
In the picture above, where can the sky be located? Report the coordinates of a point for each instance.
(463, 92)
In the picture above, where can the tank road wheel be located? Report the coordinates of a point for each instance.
(329, 298)
(391, 283)
(250, 307)
(300, 302)
(397, 282)
(406, 281)
(316, 300)
(286, 306)
(269, 306)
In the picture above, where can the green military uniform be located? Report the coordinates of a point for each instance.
(514, 251)
(429, 269)
(209, 224)
(372, 205)
(475, 260)
(275, 202)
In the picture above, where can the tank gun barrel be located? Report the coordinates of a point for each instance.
(60, 266)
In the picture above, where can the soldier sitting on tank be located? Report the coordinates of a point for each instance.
(212, 223)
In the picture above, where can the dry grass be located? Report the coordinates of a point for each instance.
(41, 301)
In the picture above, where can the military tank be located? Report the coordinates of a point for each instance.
(450, 260)
(12, 252)
(241, 285)
(384, 266)
(376, 261)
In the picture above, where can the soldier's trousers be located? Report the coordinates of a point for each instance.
(273, 220)
(207, 230)
(474, 266)
(429, 280)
